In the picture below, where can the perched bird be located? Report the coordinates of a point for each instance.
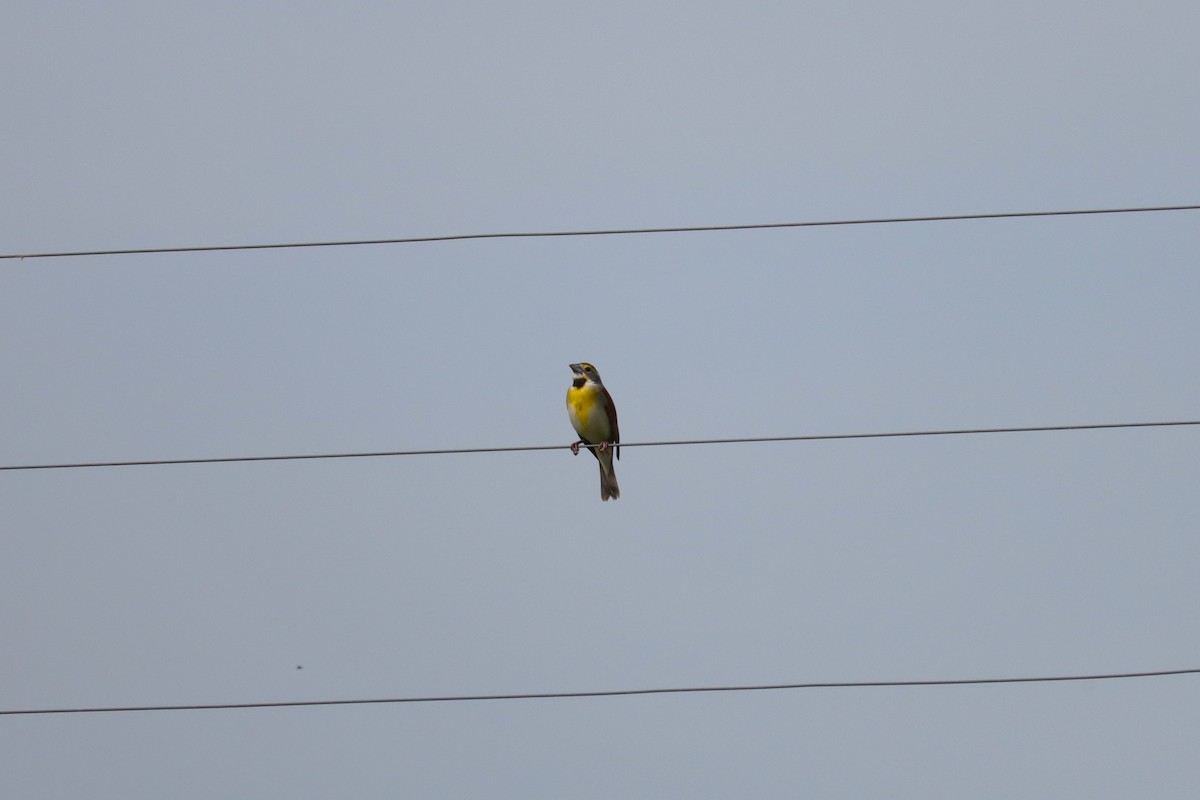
(594, 417)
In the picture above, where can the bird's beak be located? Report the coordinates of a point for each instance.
(575, 368)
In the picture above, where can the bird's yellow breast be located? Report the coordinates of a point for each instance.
(585, 405)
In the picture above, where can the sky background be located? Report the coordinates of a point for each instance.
(130, 125)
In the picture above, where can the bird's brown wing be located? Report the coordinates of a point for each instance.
(611, 408)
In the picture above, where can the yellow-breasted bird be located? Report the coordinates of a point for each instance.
(594, 417)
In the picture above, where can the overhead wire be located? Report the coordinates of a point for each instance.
(668, 443)
(604, 693)
(740, 440)
(600, 232)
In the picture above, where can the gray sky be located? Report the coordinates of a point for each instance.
(146, 124)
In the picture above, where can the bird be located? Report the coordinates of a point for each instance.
(594, 417)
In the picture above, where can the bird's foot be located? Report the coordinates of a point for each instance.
(575, 447)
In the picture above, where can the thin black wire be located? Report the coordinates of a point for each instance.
(743, 440)
(605, 693)
(607, 232)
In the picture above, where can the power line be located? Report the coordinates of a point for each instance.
(603, 232)
(525, 448)
(605, 693)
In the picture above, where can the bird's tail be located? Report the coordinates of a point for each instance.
(608, 482)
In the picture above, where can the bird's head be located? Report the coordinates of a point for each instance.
(585, 372)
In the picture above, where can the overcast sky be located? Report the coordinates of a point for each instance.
(137, 125)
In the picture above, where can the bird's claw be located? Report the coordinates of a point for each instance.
(575, 447)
